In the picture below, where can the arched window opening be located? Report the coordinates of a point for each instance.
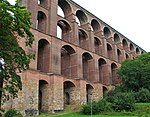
(97, 44)
(43, 92)
(83, 39)
(109, 51)
(67, 57)
(107, 32)
(125, 44)
(81, 16)
(43, 55)
(137, 51)
(105, 90)
(69, 93)
(119, 56)
(41, 21)
(102, 70)
(114, 79)
(89, 93)
(65, 8)
(86, 61)
(116, 38)
(131, 47)
(95, 25)
(63, 30)
(60, 12)
(127, 56)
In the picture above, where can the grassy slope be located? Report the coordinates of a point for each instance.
(142, 110)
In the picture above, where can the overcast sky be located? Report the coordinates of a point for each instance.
(129, 17)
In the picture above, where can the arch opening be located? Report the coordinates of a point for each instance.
(89, 92)
(119, 56)
(114, 79)
(107, 32)
(86, 65)
(109, 51)
(43, 92)
(81, 17)
(125, 44)
(67, 63)
(43, 56)
(131, 47)
(102, 66)
(41, 21)
(97, 45)
(95, 26)
(69, 93)
(116, 38)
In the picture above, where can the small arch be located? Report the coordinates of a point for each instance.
(83, 39)
(107, 32)
(43, 92)
(131, 47)
(137, 51)
(41, 21)
(97, 44)
(67, 57)
(86, 67)
(127, 56)
(43, 55)
(63, 29)
(114, 79)
(102, 70)
(116, 38)
(105, 90)
(109, 51)
(89, 92)
(95, 25)
(65, 6)
(82, 17)
(119, 56)
(125, 44)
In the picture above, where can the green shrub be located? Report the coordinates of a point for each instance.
(12, 113)
(123, 101)
(97, 107)
(143, 95)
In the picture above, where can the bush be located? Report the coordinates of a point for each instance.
(12, 113)
(123, 101)
(143, 95)
(97, 107)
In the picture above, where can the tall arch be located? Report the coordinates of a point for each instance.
(114, 79)
(97, 45)
(95, 25)
(67, 63)
(109, 51)
(81, 17)
(89, 92)
(65, 6)
(63, 32)
(86, 65)
(102, 68)
(119, 54)
(137, 51)
(41, 21)
(69, 93)
(107, 32)
(43, 59)
(127, 55)
(43, 92)
(83, 42)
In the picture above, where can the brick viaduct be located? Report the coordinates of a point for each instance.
(77, 55)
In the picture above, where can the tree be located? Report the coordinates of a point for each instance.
(14, 24)
(135, 74)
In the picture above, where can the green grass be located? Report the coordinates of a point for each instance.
(142, 110)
